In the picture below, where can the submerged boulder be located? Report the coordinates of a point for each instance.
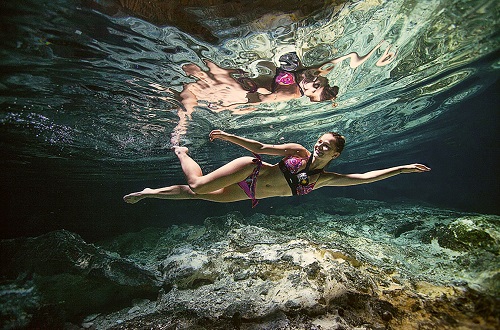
(467, 233)
(68, 278)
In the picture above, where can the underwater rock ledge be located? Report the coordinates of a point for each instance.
(57, 277)
(359, 264)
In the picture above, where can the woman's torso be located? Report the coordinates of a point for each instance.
(271, 181)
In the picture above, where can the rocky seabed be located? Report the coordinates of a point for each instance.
(346, 265)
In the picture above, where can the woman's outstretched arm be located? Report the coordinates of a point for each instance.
(356, 60)
(335, 179)
(257, 147)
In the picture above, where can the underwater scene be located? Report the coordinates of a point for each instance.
(101, 99)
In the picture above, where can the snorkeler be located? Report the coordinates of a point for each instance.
(298, 173)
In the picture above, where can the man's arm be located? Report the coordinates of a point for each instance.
(261, 148)
(335, 179)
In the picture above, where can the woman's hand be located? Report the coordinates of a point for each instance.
(218, 134)
(414, 168)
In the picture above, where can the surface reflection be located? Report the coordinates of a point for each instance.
(191, 16)
(235, 90)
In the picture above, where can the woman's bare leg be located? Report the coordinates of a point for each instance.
(229, 194)
(189, 166)
(218, 186)
(233, 172)
(172, 192)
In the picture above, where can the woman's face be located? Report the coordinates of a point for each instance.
(313, 86)
(325, 147)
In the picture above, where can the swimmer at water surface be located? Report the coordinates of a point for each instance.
(298, 173)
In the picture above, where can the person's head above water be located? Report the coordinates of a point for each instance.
(329, 146)
(316, 87)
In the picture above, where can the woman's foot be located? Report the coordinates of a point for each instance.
(180, 150)
(137, 196)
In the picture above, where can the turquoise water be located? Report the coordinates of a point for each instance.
(85, 105)
(88, 105)
(89, 101)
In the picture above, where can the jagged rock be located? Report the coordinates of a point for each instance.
(17, 301)
(77, 277)
(314, 269)
(258, 272)
(465, 234)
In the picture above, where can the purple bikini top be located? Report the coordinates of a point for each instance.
(285, 78)
(298, 180)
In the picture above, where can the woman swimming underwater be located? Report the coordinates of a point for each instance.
(298, 173)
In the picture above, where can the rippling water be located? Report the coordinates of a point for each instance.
(88, 100)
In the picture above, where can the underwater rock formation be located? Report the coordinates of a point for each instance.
(359, 264)
(58, 276)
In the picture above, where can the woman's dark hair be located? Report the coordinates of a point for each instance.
(329, 93)
(339, 141)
